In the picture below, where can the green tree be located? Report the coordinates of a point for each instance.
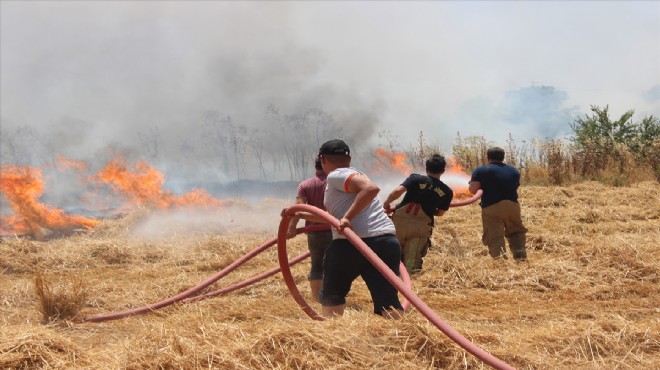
(603, 142)
(600, 130)
(648, 131)
(647, 145)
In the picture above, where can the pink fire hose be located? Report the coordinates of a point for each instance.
(465, 202)
(194, 290)
(255, 279)
(383, 269)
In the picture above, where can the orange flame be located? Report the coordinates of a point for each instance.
(456, 178)
(143, 186)
(391, 160)
(22, 186)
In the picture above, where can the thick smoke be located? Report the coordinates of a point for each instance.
(209, 92)
(218, 92)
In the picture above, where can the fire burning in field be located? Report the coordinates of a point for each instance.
(22, 186)
(455, 176)
(390, 160)
(142, 186)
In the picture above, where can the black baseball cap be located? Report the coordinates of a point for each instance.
(334, 147)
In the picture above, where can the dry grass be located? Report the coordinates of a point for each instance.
(588, 297)
(59, 303)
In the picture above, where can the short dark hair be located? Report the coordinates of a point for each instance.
(436, 164)
(317, 163)
(495, 153)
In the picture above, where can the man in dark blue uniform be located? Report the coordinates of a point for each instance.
(500, 210)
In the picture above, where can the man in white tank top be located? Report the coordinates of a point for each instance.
(352, 198)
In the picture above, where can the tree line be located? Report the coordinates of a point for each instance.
(619, 150)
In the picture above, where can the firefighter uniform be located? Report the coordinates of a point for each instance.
(414, 216)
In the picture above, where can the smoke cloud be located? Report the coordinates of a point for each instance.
(218, 91)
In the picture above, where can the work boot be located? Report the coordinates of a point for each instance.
(517, 246)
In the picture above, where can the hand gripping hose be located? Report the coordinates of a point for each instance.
(188, 295)
(425, 310)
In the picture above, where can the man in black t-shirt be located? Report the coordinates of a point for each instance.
(425, 197)
(500, 210)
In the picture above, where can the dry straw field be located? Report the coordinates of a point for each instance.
(588, 298)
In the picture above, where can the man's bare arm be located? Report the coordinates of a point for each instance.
(366, 192)
(394, 195)
(474, 186)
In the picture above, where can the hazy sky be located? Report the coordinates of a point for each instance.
(88, 73)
